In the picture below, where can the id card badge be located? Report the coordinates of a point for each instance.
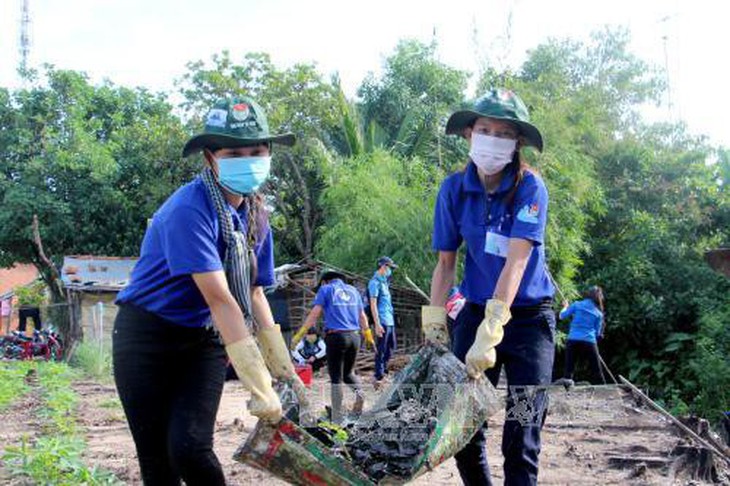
(496, 244)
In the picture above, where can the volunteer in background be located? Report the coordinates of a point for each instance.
(381, 308)
(586, 328)
(344, 319)
(311, 350)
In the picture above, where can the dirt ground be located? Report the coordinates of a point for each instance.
(587, 430)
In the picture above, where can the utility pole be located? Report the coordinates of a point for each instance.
(665, 38)
(24, 38)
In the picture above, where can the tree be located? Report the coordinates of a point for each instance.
(648, 253)
(411, 99)
(91, 163)
(380, 204)
(296, 99)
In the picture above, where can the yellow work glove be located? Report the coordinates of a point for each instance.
(252, 373)
(298, 336)
(278, 360)
(482, 355)
(433, 324)
(369, 340)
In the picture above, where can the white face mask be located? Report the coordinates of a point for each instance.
(491, 154)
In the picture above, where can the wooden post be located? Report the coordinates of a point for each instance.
(674, 420)
(606, 368)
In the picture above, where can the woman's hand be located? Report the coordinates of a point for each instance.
(249, 364)
(482, 354)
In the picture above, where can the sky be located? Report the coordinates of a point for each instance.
(148, 42)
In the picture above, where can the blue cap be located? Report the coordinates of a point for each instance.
(384, 260)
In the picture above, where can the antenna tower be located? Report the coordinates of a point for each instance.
(24, 44)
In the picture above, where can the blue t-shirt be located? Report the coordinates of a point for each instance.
(342, 306)
(466, 213)
(587, 321)
(378, 289)
(184, 238)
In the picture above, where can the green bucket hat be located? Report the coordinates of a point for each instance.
(232, 123)
(500, 104)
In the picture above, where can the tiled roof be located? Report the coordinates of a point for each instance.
(17, 276)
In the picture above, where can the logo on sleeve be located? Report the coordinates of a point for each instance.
(528, 213)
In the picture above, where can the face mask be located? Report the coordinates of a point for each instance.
(388, 272)
(491, 154)
(243, 175)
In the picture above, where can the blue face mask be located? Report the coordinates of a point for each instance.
(243, 175)
(388, 272)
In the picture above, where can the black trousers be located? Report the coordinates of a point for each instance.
(25, 313)
(587, 351)
(170, 380)
(341, 354)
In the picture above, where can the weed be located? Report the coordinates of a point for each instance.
(12, 380)
(111, 403)
(54, 460)
(95, 360)
(55, 457)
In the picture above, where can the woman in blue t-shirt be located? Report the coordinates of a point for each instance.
(205, 258)
(497, 206)
(586, 328)
(344, 318)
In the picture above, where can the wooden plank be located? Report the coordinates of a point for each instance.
(625, 462)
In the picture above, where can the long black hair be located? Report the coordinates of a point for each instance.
(595, 293)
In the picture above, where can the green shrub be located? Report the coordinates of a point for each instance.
(711, 364)
(54, 460)
(56, 456)
(12, 381)
(33, 294)
(94, 360)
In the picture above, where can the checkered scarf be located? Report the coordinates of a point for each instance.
(239, 249)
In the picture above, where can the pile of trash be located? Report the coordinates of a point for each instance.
(429, 413)
(390, 439)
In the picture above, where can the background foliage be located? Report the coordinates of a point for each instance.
(633, 205)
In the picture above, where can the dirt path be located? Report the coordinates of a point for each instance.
(584, 429)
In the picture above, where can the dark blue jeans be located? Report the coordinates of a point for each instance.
(386, 345)
(170, 380)
(526, 352)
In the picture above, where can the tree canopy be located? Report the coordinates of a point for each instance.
(633, 206)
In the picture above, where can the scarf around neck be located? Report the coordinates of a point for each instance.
(238, 249)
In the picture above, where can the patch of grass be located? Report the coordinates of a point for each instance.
(112, 403)
(60, 400)
(54, 460)
(95, 360)
(12, 380)
(56, 457)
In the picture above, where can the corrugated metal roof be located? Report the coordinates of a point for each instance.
(86, 272)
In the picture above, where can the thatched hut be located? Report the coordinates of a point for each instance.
(295, 288)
